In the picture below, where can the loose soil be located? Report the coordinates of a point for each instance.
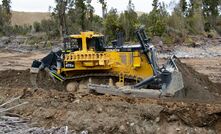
(199, 112)
(196, 85)
(49, 106)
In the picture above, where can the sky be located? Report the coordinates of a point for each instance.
(121, 5)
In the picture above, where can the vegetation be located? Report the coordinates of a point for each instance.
(72, 16)
(5, 14)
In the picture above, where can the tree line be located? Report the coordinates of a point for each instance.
(72, 16)
(5, 21)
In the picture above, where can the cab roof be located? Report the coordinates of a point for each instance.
(89, 34)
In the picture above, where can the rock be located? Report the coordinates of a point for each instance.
(84, 132)
(178, 129)
(5, 40)
(138, 130)
(72, 87)
(157, 120)
(99, 110)
(122, 129)
(172, 118)
(77, 101)
(153, 110)
(132, 124)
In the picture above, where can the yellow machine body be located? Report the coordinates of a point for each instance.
(87, 59)
(86, 63)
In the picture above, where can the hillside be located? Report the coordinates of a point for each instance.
(139, 13)
(21, 18)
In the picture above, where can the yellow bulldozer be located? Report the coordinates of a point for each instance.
(116, 69)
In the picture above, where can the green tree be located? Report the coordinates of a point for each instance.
(176, 26)
(129, 21)
(1, 21)
(155, 4)
(59, 14)
(81, 9)
(6, 9)
(5, 19)
(183, 7)
(97, 24)
(195, 18)
(90, 15)
(37, 26)
(211, 12)
(50, 28)
(80, 17)
(143, 19)
(20, 30)
(177, 20)
(104, 7)
(6, 6)
(157, 19)
(111, 24)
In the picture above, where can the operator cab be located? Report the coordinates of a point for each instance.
(84, 41)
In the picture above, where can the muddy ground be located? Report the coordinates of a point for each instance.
(198, 113)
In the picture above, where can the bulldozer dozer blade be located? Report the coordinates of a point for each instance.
(35, 67)
(125, 91)
(175, 84)
(33, 80)
(171, 85)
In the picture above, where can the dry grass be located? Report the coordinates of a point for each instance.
(21, 18)
(139, 13)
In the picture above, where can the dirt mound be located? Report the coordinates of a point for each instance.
(22, 79)
(113, 114)
(14, 78)
(197, 86)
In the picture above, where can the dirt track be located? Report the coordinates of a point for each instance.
(109, 114)
(10, 59)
